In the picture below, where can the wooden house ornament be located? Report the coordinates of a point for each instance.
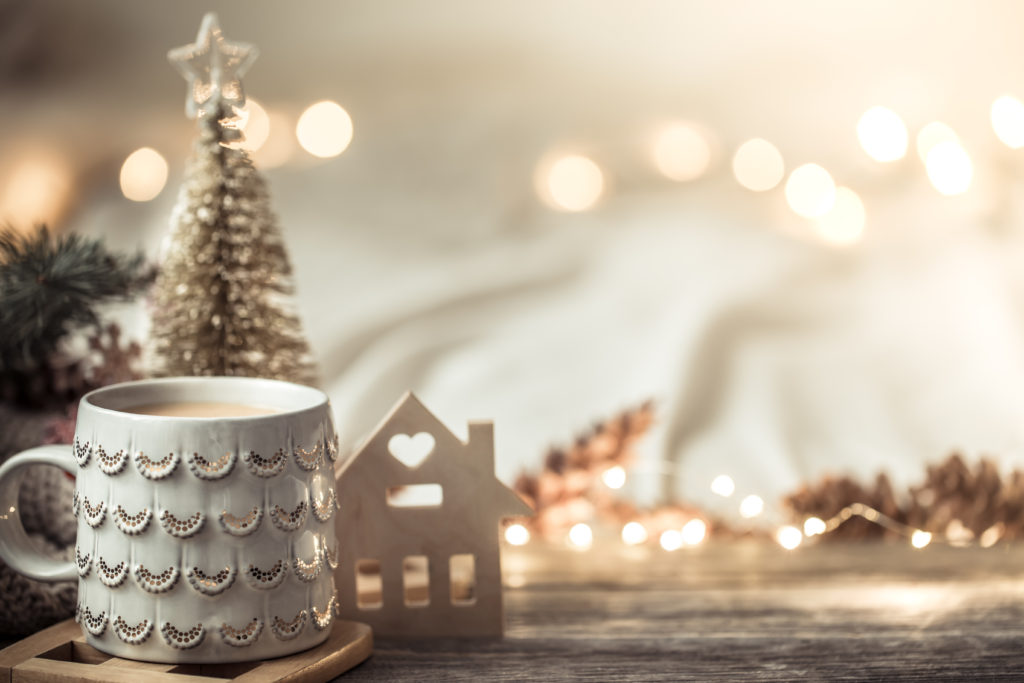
(419, 527)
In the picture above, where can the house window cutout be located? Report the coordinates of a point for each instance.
(411, 451)
(369, 585)
(462, 570)
(416, 496)
(416, 580)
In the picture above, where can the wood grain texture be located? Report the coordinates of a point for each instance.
(743, 612)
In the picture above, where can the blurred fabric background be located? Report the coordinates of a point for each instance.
(427, 259)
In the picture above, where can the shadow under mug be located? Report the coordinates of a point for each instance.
(200, 539)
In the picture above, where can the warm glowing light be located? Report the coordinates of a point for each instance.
(810, 191)
(694, 531)
(723, 485)
(671, 539)
(882, 134)
(581, 536)
(1008, 121)
(143, 175)
(989, 537)
(949, 168)
(920, 539)
(844, 224)
(517, 534)
(279, 145)
(255, 125)
(758, 165)
(682, 153)
(572, 183)
(634, 533)
(814, 526)
(36, 191)
(789, 537)
(324, 129)
(931, 135)
(751, 506)
(614, 477)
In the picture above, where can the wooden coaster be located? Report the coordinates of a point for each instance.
(60, 654)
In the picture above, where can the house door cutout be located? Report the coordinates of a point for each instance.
(416, 580)
(462, 570)
(369, 585)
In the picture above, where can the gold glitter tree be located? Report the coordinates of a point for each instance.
(220, 301)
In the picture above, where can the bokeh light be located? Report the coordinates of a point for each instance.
(949, 168)
(571, 183)
(255, 125)
(614, 477)
(143, 175)
(581, 535)
(634, 533)
(789, 537)
(280, 143)
(810, 191)
(517, 534)
(1008, 121)
(882, 134)
(751, 506)
(920, 539)
(36, 190)
(723, 485)
(324, 129)
(682, 152)
(814, 526)
(694, 531)
(844, 224)
(671, 539)
(931, 135)
(758, 165)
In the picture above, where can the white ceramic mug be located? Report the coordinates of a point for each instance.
(199, 539)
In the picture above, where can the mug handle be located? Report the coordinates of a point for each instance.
(16, 548)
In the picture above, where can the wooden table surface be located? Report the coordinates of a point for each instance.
(740, 612)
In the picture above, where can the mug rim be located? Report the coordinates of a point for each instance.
(310, 398)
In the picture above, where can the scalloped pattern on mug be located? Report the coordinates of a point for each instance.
(266, 467)
(94, 514)
(156, 469)
(308, 460)
(265, 579)
(82, 451)
(153, 582)
(211, 470)
(182, 639)
(289, 521)
(322, 620)
(241, 637)
(331, 446)
(330, 556)
(133, 635)
(307, 571)
(286, 630)
(244, 525)
(95, 624)
(133, 525)
(211, 584)
(76, 504)
(182, 528)
(83, 563)
(323, 510)
(111, 576)
(111, 464)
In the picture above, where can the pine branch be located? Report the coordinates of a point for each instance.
(52, 286)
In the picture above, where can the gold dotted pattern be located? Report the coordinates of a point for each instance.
(307, 571)
(156, 469)
(241, 637)
(95, 624)
(182, 528)
(330, 557)
(182, 640)
(323, 619)
(132, 524)
(76, 503)
(308, 460)
(94, 514)
(266, 579)
(286, 630)
(289, 521)
(83, 562)
(266, 467)
(152, 582)
(241, 526)
(210, 584)
(111, 464)
(211, 469)
(323, 510)
(81, 451)
(112, 576)
(332, 448)
(133, 635)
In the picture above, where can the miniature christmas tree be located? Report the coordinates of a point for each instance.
(220, 298)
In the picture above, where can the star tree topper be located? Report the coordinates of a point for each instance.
(213, 67)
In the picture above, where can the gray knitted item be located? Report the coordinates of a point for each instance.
(45, 504)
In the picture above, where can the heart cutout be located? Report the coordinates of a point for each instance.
(411, 451)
